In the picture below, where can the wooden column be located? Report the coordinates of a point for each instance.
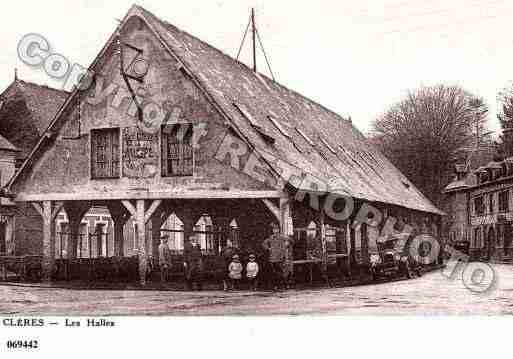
(342, 246)
(141, 233)
(48, 212)
(157, 220)
(322, 232)
(120, 216)
(75, 212)
(365, 243)
(352, 249)
(285, 216)
(286, 229)
(282, 213)
(141, 217)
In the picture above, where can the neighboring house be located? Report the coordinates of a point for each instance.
(8, 154)
(234, 152)
(25, 111)
(479, 204)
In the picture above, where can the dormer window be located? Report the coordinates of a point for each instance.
(254, 123)
(328, 146)
(305, 137)
(279, 126)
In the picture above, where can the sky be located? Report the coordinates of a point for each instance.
(355, 57)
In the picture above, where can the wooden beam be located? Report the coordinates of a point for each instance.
(130, 207)
(156, 203)
(75, 211)
(56, 209)
(273, 208)
(48, 263)
(133, 195)
(118, 211)
(285, 216)
(141, 232)
(38, 208)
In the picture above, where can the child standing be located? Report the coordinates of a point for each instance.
(252, 272)
(235, 272)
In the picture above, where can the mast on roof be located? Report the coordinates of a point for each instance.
(15, 74)
(253, 28)
(255, 38)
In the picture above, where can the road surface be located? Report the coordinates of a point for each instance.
(431, 294)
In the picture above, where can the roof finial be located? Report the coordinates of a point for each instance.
(15, 74)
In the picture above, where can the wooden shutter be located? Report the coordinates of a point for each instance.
(105, 153)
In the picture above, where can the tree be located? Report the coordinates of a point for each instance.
(428, 131)
(505, 116)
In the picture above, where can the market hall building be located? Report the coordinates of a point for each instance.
(220, 148)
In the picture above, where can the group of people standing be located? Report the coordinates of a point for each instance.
(266, 267)
(193, 262)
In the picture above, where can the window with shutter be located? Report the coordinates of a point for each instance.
(177, 150)
(105, 153)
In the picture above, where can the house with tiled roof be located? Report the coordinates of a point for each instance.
(479, 205)
(170, 125)
(25, 112)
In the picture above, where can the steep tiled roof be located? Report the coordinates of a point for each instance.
(303, 133)
(26, 112)
(340, 155)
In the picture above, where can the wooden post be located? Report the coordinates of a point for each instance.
(365, 243)
(120, 216)
(75, 212)
(141, 218)
(284, 216)
(141, 232)
(324, 247)
(352, 250)
(48, 213)
(156, 222)
(285, 220)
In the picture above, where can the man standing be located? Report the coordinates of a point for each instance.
(276, 248)
(164, 259)
(193, 264)
(227, 255)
